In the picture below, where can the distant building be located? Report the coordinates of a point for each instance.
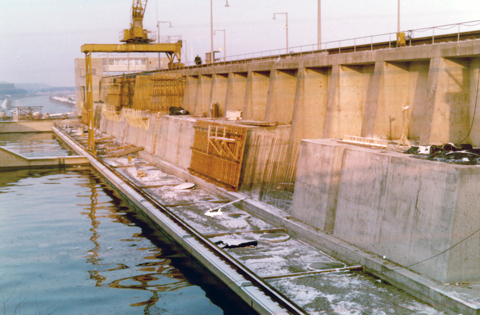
(109, 66)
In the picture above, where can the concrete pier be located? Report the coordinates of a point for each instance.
(357, 93)
(408, 210)
(41, 125)
(10, 160)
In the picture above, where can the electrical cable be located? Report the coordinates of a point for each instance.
(444, 28)
(444, 251)
(475, 108)
(470, 24)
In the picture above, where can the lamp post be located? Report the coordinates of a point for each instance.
(286, 25)
(398, 17)
(211, 28)
(224, 43)
(319, 25)
(158, 36)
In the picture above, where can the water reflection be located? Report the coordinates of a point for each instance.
(35, 144)
(154, 274)
(78, 247)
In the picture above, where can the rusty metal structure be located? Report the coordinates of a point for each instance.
(121, 92)
(136, 33)
(167, 91)
(217, 152)
(136, 40)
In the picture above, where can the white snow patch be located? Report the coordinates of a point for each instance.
(422, 309)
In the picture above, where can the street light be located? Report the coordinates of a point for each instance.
(319, 25)
(211, 28)
(398, 17)
(224, 43)
(158, 36)
(286, 25)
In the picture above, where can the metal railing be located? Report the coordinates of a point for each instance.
(354, 43)
(151, 35)
(169, 39)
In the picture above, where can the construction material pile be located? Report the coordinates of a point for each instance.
(464, 154)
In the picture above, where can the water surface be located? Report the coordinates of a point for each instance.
(72, 245)
(44, 100)
(35, 144)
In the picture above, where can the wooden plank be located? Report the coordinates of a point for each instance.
(220, 201)
(131, 165)
(122, 166)
(245, 232)
(157, 186)
(117, 148)
(124, 152)
(181, 204)
(308, 273)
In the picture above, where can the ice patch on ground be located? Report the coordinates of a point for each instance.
(421, 309)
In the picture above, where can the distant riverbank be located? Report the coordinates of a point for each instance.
(64, 99)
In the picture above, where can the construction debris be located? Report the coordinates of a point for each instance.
(463, 154)
(184, 186)
(232, 243)
(123, 152)
(227, 204)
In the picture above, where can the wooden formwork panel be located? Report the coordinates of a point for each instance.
(217, 152)
(168, 90)
(121, 91)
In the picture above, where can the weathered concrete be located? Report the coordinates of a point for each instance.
(406, 209)
(41, 125)
(236, 89)
(256, 95)
(168, 137)
(219, 90)
(357, 93)
(11, 160)
(450, 298)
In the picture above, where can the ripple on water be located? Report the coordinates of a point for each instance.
(76, 247)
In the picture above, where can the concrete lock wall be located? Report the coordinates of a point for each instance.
(406, 209)
(358, 93)
(167, 137)
(388, 204)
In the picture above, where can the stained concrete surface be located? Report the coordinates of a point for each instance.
(388, 203)
(343, 293)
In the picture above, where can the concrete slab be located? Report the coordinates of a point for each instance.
(268, 258)
(41, 125)
(408, 210)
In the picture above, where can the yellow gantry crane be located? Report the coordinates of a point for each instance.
(135, 39)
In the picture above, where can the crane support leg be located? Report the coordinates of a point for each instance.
(90, 109)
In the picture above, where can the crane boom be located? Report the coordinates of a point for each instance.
(138, 9)
(136, 34)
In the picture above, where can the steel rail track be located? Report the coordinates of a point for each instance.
(249, 275)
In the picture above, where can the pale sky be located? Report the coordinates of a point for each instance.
(41, 39)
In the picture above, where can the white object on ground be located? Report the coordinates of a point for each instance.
(184, 186)
(234, 115)
(227, 204)
(214, 213)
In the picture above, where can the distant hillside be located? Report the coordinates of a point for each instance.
(19, 89)
(31, 87)
(58, 89)
(10, 89)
